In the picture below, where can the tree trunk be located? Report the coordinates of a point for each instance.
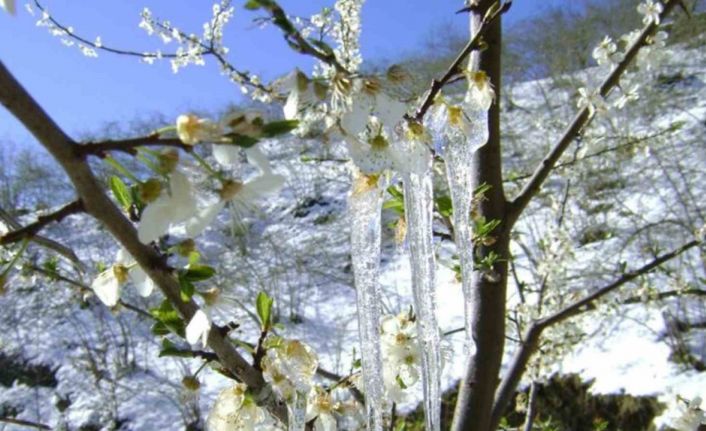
(477, 390)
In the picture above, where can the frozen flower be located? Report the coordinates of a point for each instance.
(107, 284)
(651, 10)
(8, 5)
(171, 207)
(139, 278)
(606, 52)
(239, 194)
(235, 410)
(321, 407)
(198, 328)
(480, 92)
(368, 101)
(658, 40)
(691, 417)
(289, 366)
(192, 129)
(401, 354)
(301, 94)
(592, 101)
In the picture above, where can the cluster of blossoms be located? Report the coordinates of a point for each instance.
(64, 33)
(690, 417)
(607, 54)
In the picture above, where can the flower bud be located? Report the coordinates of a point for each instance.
(191, 383)
(168, 161)
(150, 190)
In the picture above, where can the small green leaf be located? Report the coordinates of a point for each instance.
(186, 289)
(252, 5)
(170, 349)
(168, 320)
(444, 205)
(264, 309)
(394, 205)
(242, 141)
(195, 273)
(276, 128)
(396, 192)
(121, 192)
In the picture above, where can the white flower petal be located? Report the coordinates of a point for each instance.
(143, 283)
(197, 224)
(198, 328)
(355, 120)
(227, 155)
(258, 158)
(182, 202)
(155, 220)
(260, 186)
(107, 287)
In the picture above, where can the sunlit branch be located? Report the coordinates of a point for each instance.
(44, 241)
(208, 50)
(581, 120)
(130, 145)
(456, 66)
(532, 336)
(33, 229)
(23, 107)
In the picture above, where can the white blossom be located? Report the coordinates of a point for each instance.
(480, 90)
(651, 10)
(691, 416)
(628, 95)
(289, 366)
(198, 328)
(172, 207)
(192, 129)
(107, 284)
(235, 410)
(593, 101)
(606, 52)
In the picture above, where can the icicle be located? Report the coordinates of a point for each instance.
(365, 206)
(458, 156)
(419, 201)
(296, 419)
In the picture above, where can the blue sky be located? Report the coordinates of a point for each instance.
(83, 94)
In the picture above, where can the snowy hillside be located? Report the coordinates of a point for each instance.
(636, 182)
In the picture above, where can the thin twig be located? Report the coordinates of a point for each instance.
(456, 66)
(532, 336)
(45, 242)
(33, 229)
(25, 423)
(130, 146)
(580, 121)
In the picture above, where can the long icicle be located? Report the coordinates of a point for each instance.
(458, 156)
(297, 412)
(365, 207)
(418, 203)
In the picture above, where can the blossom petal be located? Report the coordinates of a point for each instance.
(107, 287)
(143, 283)
(155, 220)
(226, 155)
(197, 224)
(198, 328)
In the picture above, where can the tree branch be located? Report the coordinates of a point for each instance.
(456, 66)
(129, 145)
(33, 229)
(44, 241)
(25, 423)
(580, 121)
(23, 107)
(509, 383)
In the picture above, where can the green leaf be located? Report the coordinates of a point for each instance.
(264, 309)
(170, 349)
(444, 205)
(186, 289)
(195, 273)
(242, 141)
(252, 5)
(394, 205)
(120, 191)
(277, 128)
(396, 192)
(168, 320)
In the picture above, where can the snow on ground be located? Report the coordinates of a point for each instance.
(295, 247)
